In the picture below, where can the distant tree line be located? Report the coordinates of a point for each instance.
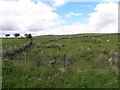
(7, 35)
(28, 35)
(18, 34)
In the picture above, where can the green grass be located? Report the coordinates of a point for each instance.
(89, 67)
(8, 43)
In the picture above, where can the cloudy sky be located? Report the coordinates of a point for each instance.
(44, 17)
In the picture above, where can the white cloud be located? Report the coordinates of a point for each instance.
(24, 16)
(71, 14)
(57, 3)
(103, 20)
(111, 0)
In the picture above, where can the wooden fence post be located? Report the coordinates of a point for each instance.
(65, 60)
(10, 48)
(41, 52)
(6, 48)
(15, 47)
(25, 56)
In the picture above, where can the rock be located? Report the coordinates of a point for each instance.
(52, 62)
(62, 70)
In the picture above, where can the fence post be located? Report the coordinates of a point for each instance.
(65, 60)
(10, 48)
(25, 56)
(15, 47)
(41, 52)
(6, 48)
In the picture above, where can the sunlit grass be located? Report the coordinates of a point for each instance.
(88, 68)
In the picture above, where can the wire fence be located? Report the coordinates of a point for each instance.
(10, 52)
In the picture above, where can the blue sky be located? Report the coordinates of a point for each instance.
(44, 17)
(77, 7)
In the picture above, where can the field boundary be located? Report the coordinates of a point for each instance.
(9, 54)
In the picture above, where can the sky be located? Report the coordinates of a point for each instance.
(58, 17)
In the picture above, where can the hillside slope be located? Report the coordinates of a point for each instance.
(74, 61)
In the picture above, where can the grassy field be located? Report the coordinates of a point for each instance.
(11, 42)
(87, 63)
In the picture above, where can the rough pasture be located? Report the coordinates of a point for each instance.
(10, 52)
(11, 42)
(83, 61)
